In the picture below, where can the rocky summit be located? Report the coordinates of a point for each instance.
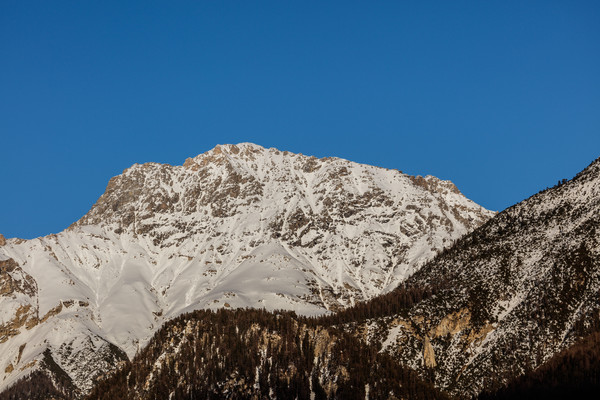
(238, 226)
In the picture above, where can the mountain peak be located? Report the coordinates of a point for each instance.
(222, 180)
(221, 152)
(239, 149)
(238, 226)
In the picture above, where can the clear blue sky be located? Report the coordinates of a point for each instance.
(501, 97)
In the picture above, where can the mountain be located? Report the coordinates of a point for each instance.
(503, 300)
(238, 226)
(512, 310)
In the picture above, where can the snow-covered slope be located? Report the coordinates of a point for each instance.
(508, 296)
(238, 226)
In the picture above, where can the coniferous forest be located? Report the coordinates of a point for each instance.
(258, 354)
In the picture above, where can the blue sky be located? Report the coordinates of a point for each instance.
(501, 97)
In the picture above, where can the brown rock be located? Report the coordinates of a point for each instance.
(23, 317)
(428, 354)
(452, 323)
(21, 348)
(54, 311)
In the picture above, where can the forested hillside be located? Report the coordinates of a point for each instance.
(257, 354)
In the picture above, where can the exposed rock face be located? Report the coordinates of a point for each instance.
(18, 291)
(428, 354)
(238, 226)
(513, 293)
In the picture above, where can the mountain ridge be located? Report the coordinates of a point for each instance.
(507, 304)
(237, 226)
(509, 295)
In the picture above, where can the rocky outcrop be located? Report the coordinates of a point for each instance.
(18, 291)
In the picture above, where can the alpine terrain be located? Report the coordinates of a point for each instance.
(511, 310)
(504, 299)
(244, 226)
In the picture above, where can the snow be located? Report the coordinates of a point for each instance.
(133, 284)
(392, 338)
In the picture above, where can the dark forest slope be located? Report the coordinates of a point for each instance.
(256, 354)
(573, 373)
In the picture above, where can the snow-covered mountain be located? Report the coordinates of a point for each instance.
(238, 226)
(507, 296)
